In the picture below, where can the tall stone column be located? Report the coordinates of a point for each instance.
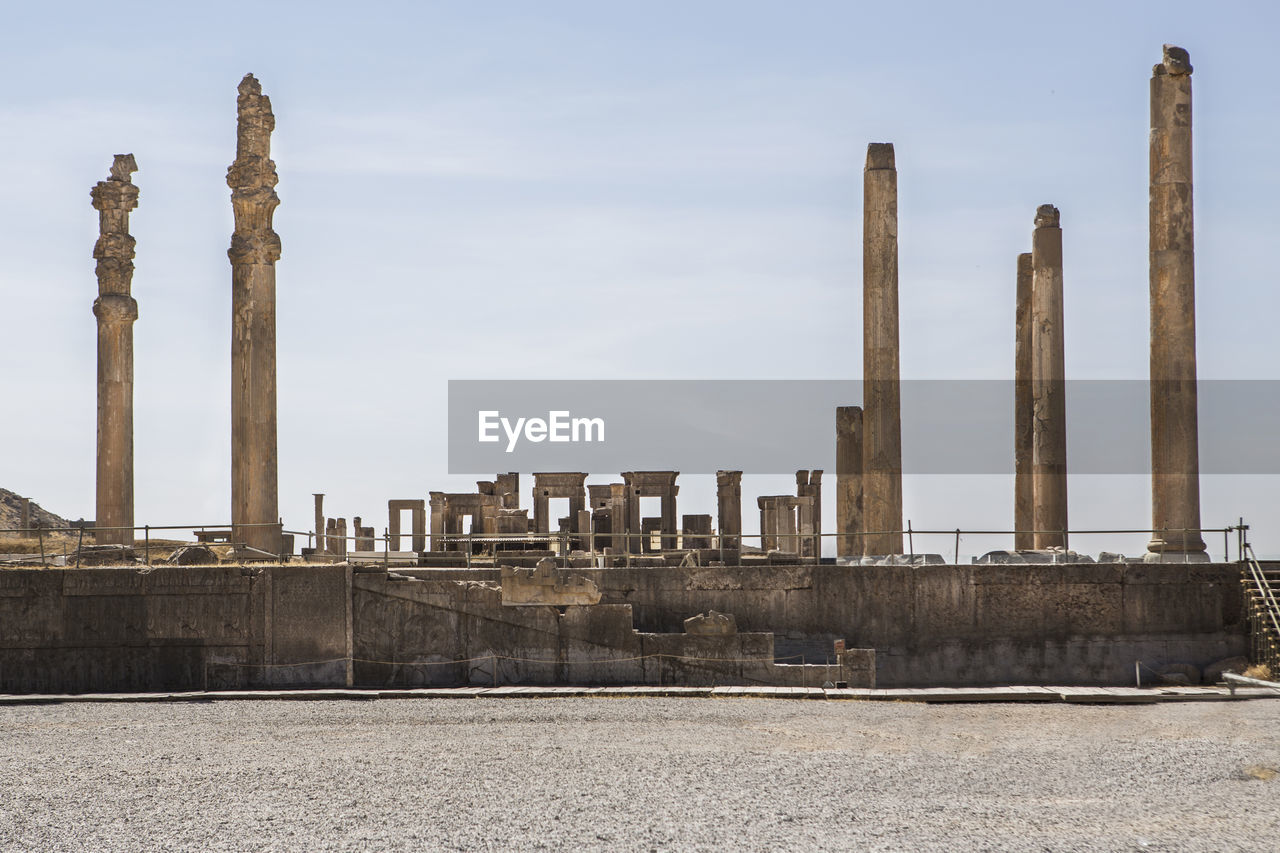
(116, 311)
(319, 548)
(255, 248)
(1175, 453)
(1023, 413)
(1048, 383)
(848, 480)
(882, 415)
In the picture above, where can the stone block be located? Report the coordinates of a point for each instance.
(545, 584)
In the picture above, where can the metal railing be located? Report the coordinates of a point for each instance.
(146, 529)
(1262, 611)
(801, 547)
(804, 547)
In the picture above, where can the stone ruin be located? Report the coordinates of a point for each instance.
(518, 585)
(868, 436)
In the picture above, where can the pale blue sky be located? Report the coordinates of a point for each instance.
(584, 190)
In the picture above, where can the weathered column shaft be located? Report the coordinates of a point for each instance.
(1175, 456)
(1048, 383)
(255, 248)
(116, 311)
(729, 508)
(670, 521)
(882, 416)
(1023, 413)
(848, 480)
(319, 548)
(419, 522)
(809, 485)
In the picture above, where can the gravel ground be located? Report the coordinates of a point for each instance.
(638, 774)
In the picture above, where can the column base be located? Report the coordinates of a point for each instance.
(1176, 548)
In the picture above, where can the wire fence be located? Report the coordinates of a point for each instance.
(700, 546)
(200, 532)
(493, 659)
(707, 546)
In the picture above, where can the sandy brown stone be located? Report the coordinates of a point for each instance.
(882, 410)
(255, 248)
(1048, 383)
(1023, 418)
(116, 311)
(1175, 455)
(848, 480)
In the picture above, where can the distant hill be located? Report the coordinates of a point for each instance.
(11, 513)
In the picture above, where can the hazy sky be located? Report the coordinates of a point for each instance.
(596, 190)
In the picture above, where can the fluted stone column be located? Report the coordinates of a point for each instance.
(1048, 383)
(255, 248)
(116, 311)
(848, 480)
(882, 416)
(1023, 414)
(1175, 454)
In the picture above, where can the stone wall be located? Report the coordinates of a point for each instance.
(173, 628)
(957, 625)
(412, 632)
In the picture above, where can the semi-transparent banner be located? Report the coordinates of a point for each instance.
(781, 426)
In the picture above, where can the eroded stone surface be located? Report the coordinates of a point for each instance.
(255, 247)
(546, 584)
(711, 624)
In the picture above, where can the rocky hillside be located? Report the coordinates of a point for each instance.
(11, 513)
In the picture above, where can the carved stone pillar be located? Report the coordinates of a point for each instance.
(116, 311)
(255, 248)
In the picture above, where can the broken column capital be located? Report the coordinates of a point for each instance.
(252, 178)
(112, 194)
(1047, 216)
(1176, 62)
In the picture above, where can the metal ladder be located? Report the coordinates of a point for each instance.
(1262, 611)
